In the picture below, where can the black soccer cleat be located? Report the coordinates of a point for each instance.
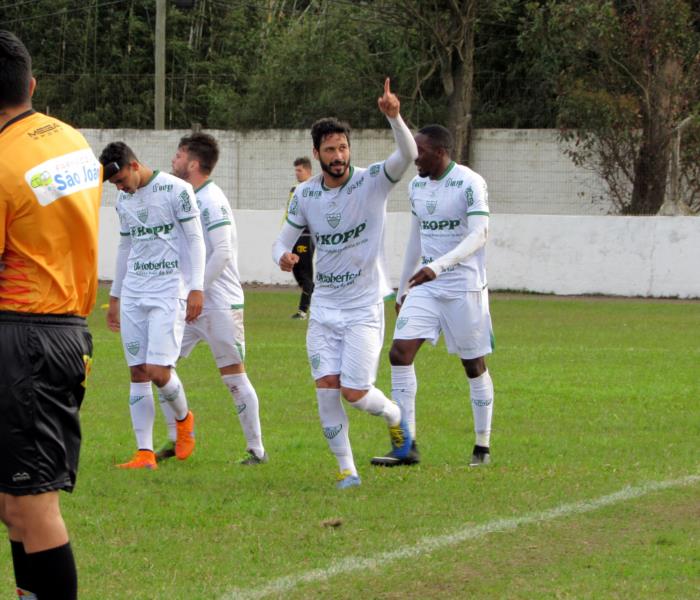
(480, 457)
(391, 460)
(165, 452)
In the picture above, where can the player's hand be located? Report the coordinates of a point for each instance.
(113, 314)
(288, 260)
(422, 276)
(389, 103)
(195, 301)
(399, 303)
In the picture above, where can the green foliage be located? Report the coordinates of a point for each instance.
(625, 75)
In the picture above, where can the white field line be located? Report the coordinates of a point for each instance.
(430, 544)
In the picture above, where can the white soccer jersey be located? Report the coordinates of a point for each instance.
(347, 224)
(225, 291)
(443, 207)
(159, 263)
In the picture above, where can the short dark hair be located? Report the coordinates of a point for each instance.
(204, 148)
(439, 136)
(328, 126)
(303, 161)
(119, 153)
(15, 71)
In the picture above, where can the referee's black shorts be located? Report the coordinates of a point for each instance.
(43, 366)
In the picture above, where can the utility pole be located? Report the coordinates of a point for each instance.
(160, 65)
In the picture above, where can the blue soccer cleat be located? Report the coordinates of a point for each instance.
(347, 480)
(400, 439)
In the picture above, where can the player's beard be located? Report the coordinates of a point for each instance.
(179, 173)
(326, 167)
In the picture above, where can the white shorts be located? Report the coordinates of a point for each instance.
(223, 330)
(151, 330)
(346, 342)
(465, 321)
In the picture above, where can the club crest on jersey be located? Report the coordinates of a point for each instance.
(470, 196)
(142, 214)
(184, 198)
(374, 170)
(431, 204)
(333, 219)
(205, 216)
(401, 322)
(315, 360)
(330, 432)
(133, 347)
(293, 206)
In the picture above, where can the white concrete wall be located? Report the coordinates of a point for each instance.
(626, 256)
(526, 170)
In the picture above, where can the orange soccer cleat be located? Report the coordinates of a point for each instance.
(184, 445)
(143, 459)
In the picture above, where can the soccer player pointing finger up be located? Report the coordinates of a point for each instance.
(344, 208)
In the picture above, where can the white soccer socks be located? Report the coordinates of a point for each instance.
(174, 394)
(335, 424)
(376, 403)
(142, 413)
(404, 387)
(247, 406)
(481, 393)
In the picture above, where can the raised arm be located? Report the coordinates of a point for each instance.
(406, 151)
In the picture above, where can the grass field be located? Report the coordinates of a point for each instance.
(593, 397)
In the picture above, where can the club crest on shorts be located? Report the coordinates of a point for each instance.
(142, 214)
(333, 219)
(133, 348)
(401, 322)
(430, 204)
(315, 360)
(330, 432)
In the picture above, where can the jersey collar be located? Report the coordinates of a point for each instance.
(205, 184)
(447, 170)
(327, 189)
(19, 117)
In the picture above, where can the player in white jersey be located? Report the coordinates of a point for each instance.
(344, 207)
(157, 287)
(221, 323)
(448, 294)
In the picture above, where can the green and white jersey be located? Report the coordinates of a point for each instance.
(443, 207)
(225, 291)
(347, 224)
(159, 264)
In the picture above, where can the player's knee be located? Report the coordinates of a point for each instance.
(474, 367)
(11, 515)
(158, 374)
(351, 394)
(399, 356)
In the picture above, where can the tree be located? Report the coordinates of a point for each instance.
(627, 75)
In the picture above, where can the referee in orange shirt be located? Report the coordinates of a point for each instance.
(50, 187)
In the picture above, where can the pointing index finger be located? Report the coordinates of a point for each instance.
(387, 91)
